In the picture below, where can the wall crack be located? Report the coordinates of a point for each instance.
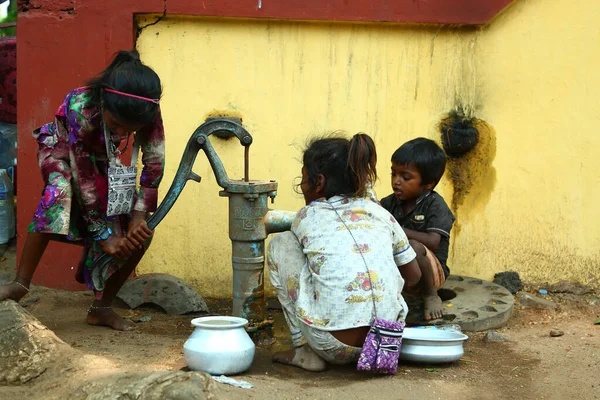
(139, 28)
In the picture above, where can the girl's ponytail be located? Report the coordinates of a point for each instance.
(103, 80)
(120, 58)
(126, 73)
(349, 166)
(362, 163)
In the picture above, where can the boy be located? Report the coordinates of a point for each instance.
(417, 167)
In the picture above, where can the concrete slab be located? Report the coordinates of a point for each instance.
(474, 304)
(172, 294)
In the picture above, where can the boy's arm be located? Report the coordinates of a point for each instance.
(431, 240)
(439, 220)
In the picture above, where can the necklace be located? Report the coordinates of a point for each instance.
(115, 149)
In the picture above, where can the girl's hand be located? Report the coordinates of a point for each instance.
(117, 246)
(138, 231)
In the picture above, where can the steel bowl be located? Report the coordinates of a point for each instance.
(432, 346)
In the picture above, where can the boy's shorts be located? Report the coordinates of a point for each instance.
(438, 275)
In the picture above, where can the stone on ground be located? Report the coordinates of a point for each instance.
(164, 385)
(532, 301)
(141, 318)
(509, 280)
(5, 277)
(27, 348)
(29, 300)
(493, 336)
(570, 287)
(172, 294)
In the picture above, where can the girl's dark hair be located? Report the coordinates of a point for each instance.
(348, 166)
(127, 74)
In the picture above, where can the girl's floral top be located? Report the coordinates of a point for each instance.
(77, 135)
(335, 290)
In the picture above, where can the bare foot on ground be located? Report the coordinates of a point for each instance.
(107, 317)
(432, 307)
(12, 291)
(303, 357)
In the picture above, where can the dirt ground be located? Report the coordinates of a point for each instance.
(533, 366)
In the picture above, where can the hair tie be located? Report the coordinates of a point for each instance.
(155, 101)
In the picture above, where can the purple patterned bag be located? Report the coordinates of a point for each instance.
(381, 348)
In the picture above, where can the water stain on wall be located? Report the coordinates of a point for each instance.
(471, 173)
(234, 114)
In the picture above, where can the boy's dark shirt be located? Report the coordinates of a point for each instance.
(430, 214)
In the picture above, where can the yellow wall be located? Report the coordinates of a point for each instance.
(529, 75)
(539, 82)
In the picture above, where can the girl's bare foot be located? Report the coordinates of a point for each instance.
(107, 317)
(432, 307)
(12, 291)
(303, 357)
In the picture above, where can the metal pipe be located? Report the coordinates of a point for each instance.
(247, 235)
(248, 261)
(247, 164)
(250, 221)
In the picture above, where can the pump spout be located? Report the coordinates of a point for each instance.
(278, 221)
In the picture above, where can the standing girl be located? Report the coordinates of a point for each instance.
(74, 158)
(318, 269)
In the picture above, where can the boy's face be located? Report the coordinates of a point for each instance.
(407, 183)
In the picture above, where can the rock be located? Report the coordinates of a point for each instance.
(164, 385)
(141, 318)
(27, 348)
(29, 300)
(172, 294)
(5, 277)
(570, 287)
(509, 280)
(556, 333)
(532, 301)
(493, 336)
